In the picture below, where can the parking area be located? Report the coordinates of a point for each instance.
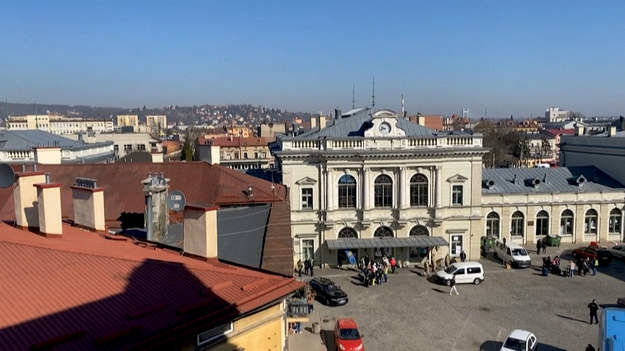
(411, 312)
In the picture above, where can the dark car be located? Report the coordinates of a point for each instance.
(602, 254)
(327, 292)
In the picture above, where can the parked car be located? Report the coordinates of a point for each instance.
(618, 251)
(346, 336)
(600, 253)
(520, 340)
(465, 272)
(513, 254)
(327, 292)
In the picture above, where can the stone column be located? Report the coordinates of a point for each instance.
(366, 189)
(330, 189)
(403, 189)
(439, 186)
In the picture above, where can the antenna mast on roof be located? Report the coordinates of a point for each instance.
(373, 96)
(353, 96)
(403, 110)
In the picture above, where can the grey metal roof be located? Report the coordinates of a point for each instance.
(356, 124)
(549, 180)
(412, 241)
(241, 234)
(27, 139)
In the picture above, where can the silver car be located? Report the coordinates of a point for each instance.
(618, 251)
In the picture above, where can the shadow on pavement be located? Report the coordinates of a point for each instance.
(327, 337)
(572, 319)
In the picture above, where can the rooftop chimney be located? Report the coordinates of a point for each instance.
(49, 200)
(156, 212)
(25, 199)
(200, 231)
(88, 202)
(579, 129)
(611, 131)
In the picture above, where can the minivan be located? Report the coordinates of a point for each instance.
(514, 254)
(465, 272)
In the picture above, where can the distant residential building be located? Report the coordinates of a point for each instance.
(557, 134)
(156, 124)
(59, 124)
(37, 146)
(235, 152)
(554, 114)
(128, 121)
(434, 122)
(456, 123)
(125, 143)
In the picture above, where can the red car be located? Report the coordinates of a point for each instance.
(346, 336)
(602, 254)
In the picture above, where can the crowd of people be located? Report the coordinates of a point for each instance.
(583, 266)
(374, 272)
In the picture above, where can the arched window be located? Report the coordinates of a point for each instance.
(542, 223)
(566, 222)
(383, 231)
(590, 222)
(492, 225)
(383, 191)
(418, 190)
(419, 230)
(615, 221)
(419, 252)
(348, 232)
(347, 191)
(516, 224)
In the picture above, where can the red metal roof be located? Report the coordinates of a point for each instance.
(202, 184)
(84, 290)
(233, 141)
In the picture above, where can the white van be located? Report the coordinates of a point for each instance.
(465, 272)
(514, 254)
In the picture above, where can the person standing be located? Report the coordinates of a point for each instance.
(300, 265)
(571, 269)
(593, 307)
(452, 283)
(463, 256)
(312, 266)
(595, 263)
(539, 246)
(307, 266)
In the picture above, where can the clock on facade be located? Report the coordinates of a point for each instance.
(384, 128)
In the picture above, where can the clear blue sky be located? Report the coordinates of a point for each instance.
(502, 57)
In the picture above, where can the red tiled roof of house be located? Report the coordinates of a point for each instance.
(560, 131)
(84, 291)
(202, 183)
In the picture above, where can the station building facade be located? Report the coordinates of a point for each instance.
(373, 183)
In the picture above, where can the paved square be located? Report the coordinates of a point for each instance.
(412, 313)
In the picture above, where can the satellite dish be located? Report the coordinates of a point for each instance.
(176, 201)
(7, 176)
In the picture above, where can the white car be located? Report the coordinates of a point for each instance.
(618, 251)
(520, 340)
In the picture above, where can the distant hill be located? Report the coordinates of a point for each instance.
(202, 114)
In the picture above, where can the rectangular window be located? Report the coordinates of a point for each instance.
(308, 249)
(456, 245)
(214, 333)
(456, 195)
(307, 198)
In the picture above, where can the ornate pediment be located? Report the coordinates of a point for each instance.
(457, 179)
(306, 181)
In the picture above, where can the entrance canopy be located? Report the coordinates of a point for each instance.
(412, 241)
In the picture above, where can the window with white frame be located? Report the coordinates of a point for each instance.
(347, 191)
(383, 191)
(590, 222)
(516, 224)
(418, 190)
(456, 195)
(307, 249)
(307, 198)
(542, 223)
(492, 225)
(614, 226)
(566, 222)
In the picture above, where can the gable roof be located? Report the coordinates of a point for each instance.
(354, 125)
(83, 292)
(26, 140)
(201, 182)
(549, 180)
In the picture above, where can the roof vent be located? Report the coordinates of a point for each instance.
(490, 183)
(514, 179)
(536, 182)
(580, 180)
